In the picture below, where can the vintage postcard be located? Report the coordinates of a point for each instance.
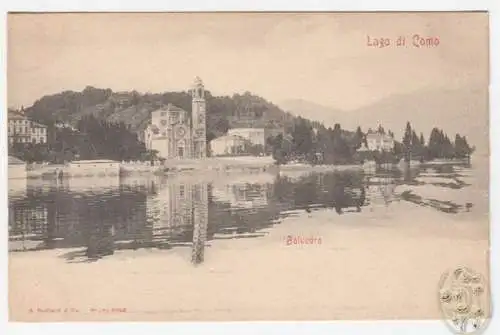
(249, 166)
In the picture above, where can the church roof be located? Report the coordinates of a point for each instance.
(174, 108)
(169, 108)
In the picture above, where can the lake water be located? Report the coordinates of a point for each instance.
(94, 218)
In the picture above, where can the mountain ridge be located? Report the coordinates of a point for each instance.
(463, 110)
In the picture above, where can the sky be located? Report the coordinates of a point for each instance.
(323, 57)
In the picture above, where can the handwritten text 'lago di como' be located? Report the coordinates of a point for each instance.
(415, 41)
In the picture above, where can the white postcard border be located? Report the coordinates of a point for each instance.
(339, 327)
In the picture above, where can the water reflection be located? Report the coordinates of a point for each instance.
(96, 218)
(340, 191)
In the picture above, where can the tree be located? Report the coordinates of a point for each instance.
(461, 147)
(398, 149)
(416, 146)
(279, 152)
(407, 142)
(434, 144)
(359, 138)
(302, 138)
(448, 149)
(422, 140)
(341, 150)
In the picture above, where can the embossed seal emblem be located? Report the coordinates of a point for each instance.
(464, 300)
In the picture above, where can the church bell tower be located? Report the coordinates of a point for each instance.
(199, 119)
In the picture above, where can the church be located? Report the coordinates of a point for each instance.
(174, 133)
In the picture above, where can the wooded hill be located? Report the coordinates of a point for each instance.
(133, 109)
(126, 114)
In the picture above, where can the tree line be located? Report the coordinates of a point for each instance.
(111, 140)
(316, 144)
(439, 145)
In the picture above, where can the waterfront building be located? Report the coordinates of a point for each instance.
(379, 141)
(227, 145)
(23, 130)
(175, 133)
(256, 136)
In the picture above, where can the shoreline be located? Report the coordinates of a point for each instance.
(218, 164)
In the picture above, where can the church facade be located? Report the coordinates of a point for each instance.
(176, 134)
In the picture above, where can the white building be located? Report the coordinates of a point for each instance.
(227, 145)
(378, 141)
(23, 130)
(176, 134)
(256, 136)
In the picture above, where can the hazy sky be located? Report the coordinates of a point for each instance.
(323, 57)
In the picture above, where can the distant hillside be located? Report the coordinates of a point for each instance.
(463, 111)
(134, 109)
(327, 115)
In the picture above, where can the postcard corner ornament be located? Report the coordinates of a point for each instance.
(464, 300)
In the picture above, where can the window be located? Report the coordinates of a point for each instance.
(42, 140)
(180, 151)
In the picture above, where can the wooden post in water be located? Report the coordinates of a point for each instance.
(200, 222)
